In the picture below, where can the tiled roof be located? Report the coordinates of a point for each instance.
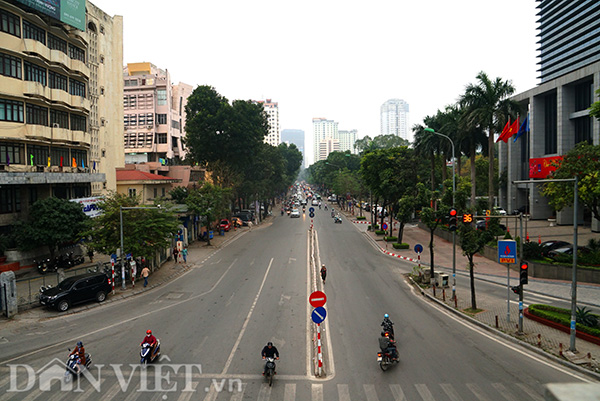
(136, 175)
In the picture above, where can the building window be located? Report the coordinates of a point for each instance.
(11, 110)
(131, 192)
(161, 138)
(175, 124)
(78, 123)
(80, 157)
(56, 43)
(10, 23)
(584, 95)
(58, 81)
(155, 192)
(142, 119)
(37, 155)
(36, 115)
(60, 157)
(550, 122)
(76, 53)
(161, 119)
(7, 199)
(11, 153)
(161, 97)
(131, 82)
(10, 66)
(163, 192)
(76, 88)
(33, 194)
(31, 31)
(583, 130)
(35, 73)
(59, 117)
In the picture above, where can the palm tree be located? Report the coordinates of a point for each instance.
(426, 145)
(486, 103)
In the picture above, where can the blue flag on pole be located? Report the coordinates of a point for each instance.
(524, 128)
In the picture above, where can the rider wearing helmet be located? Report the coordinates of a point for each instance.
(323, 272)
(149, 339)
(388, 325)
(269, 351)
(388, 345)
(80, 351)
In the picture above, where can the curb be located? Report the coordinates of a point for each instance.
(508, 337)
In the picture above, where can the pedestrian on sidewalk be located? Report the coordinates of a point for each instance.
(145, 274)
(184, 254)
(175, 255)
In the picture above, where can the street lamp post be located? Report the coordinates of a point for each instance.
(121, 208)
(453, 204)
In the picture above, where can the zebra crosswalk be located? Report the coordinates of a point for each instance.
(256, 389)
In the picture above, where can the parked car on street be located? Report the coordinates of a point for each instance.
(482, 225)
(567, 250)
(548, 246)
(499, 210)
(225, 225)
(244, 217)
(76, 289)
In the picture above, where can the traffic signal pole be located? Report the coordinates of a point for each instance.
(521, 265)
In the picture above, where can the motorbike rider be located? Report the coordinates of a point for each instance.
(80, 351)
(150, 340)
(323, 273)
(388, 345)
(388, 325)
(269, 351)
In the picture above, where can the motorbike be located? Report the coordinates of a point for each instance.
(74, 366)
(282, 212)
(45, 265)
(146, 354)
(386, 359)
(288, 212)
(337, 219)
(388, 329)
(332, 213)
(270, 370)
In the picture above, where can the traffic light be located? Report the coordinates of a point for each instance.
(523, 273)
(452, 219)
(516, 289)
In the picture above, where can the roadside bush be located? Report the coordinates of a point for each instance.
(400, 246)
(373, 227)
(562, 317)
(390, 238)
(586, 317)
(380, 232)
(361, 218)
(532, 251)
(508, 236)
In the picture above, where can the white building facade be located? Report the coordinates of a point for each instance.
(272, 111)
(394, 118)
(347, 138)
(324, 130)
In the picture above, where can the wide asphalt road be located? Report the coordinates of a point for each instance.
(214, 320)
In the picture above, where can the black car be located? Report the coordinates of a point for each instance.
(482, 225)
(76, 289)
(548, 246)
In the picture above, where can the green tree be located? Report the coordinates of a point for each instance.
(178, 194)
(472, 242)
(406, 208)
(209, 202)
(582, 161)
(595, 108)
(51, 222)
(487, 103)
(430, 216)
(145, 231)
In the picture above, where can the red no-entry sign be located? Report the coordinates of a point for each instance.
(317, 298)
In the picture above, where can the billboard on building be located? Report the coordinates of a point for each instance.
(541, 167)
(90, 205)
(70, 12)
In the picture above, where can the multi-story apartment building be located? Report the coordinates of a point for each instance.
(154, 115)
(394, 118)
(347, 139)
(272, 111)
(557, 108)
(60, 104)
(295, 136)
(324, 131)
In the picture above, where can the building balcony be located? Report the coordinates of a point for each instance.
(79, 67)
(59, 95)
(58, 57)
(11, 86)
(56, 135)
(12, 130)
(36, 89)
(80, 103)
(33, 47)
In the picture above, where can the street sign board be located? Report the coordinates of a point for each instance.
(507, 251)
(418, 248)
(384, 226)
(318, 314)
(311, 209)
(317, 298)
(311, 214)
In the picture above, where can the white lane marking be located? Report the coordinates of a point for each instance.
(343, 392)
(238, 395)
(504, 342)
(308, 292)
(477, 391)
(317, 392)
(186, 395)
(239, 339)
(370, 392)
(502, 390)
(450, 391)
(265, 393)
(397, 392)
(424, 392)
(112, 326)
(534, 396)
(290, 392)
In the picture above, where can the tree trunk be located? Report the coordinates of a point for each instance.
(431, 254)
(400, 232)
(458, 166)
(432, 171)
(491, 169)
(473, 176)
(472, 280)
(444, 168)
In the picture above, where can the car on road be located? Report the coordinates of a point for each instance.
(315, 202)
(482, 225)
(548, 246)
(499, 210)
(76, 289)
(225, 225)
(295, 213)
(567, 250)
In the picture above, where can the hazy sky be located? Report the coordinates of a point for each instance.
(335, 59)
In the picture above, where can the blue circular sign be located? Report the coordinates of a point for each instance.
(311, 214)
(318, 314)
(418, 248)
(311, 209)
(384, 226)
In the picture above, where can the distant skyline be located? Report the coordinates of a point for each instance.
(333, 59)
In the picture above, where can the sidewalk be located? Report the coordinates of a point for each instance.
(537, 335)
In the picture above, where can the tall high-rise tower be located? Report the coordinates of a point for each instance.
(325, 137)
(272, 110)
(394, 118)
